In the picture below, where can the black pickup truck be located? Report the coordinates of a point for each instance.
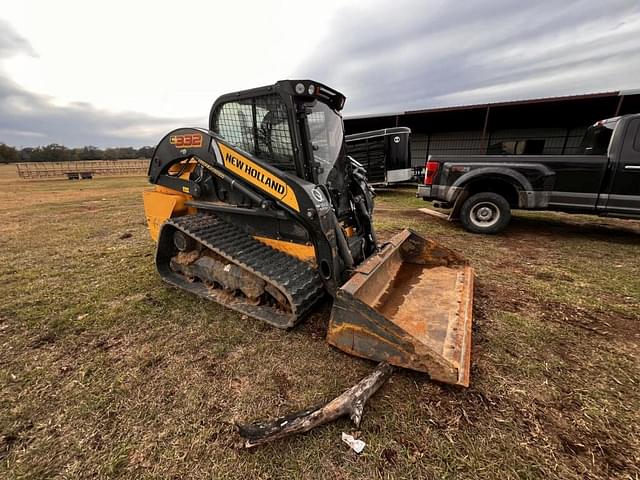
(481, 190)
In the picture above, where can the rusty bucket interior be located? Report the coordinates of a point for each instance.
(411, 306)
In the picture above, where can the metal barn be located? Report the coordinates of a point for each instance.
(551, 126)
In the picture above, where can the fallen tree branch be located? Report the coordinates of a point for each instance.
(350, 402)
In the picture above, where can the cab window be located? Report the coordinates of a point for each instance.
(259, 126)
(596, 139)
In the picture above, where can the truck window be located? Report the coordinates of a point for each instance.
(517, 147)
(259, 126)
(596, 139)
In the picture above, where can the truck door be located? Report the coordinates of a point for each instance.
(624, 196)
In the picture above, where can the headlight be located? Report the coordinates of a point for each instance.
(299, 88)
(311, 90)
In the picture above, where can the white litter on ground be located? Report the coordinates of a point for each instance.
(356, 445)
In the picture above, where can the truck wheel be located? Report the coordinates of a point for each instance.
(485, 212)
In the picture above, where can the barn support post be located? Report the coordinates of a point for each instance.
(566, 139)
(484, 141)
(619, 106)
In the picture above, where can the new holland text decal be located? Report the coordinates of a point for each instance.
(190, 140)
(258, 176)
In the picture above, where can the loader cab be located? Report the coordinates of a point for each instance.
(294, 125)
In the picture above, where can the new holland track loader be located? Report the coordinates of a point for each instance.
(264, 213)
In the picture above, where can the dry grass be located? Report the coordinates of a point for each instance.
(106, 372)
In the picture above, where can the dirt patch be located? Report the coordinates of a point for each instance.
(554, 224)
(45, 338)
(587, 448)
(604, 323)
(491, 297)
(514, 299)
(389, 456)
(317, 322)
(283, 385)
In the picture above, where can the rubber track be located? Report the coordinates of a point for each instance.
(300, 283)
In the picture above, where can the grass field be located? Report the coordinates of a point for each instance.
(107, 372)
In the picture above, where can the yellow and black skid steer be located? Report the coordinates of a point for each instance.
(265, 213)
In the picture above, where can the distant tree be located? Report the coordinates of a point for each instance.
(25, 154)
(127, 152)
(8, 154)
(51, 153)
(59, 153)
(111, 154)
(145, 152)
(71, 154)
(89, 153)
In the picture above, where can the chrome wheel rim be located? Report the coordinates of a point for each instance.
(485, 214)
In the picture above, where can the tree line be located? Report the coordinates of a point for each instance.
(60, 153)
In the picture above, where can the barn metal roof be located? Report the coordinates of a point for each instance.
(563, 98)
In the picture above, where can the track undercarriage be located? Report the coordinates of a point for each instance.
(219, 261)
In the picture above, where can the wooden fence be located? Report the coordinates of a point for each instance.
(82, 169)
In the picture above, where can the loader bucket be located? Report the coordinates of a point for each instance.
(411, 306)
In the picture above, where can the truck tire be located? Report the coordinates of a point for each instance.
(485, 212)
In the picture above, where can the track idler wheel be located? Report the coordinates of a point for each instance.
(183, 242)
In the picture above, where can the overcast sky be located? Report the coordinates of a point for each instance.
(119, 73)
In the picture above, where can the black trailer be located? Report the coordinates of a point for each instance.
(385, 154)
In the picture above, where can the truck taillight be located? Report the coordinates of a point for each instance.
(430, 172)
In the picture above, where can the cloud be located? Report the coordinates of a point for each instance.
(11, 43)
(415, 54)
(29, 119)
(385, 56)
